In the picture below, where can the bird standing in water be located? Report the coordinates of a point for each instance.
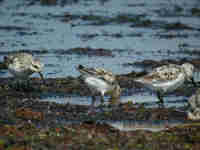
(100, 82)
(167, 78)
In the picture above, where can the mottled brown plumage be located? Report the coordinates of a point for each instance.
(167, 78)
(22, 65)
(100, 82)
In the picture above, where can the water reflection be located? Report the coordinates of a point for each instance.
(145, 99)
(63, 99)
(154, 126)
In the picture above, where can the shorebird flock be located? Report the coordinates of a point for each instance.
(161, 80)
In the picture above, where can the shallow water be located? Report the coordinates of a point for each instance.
(148, 99)
(42, 28)
(154, 126)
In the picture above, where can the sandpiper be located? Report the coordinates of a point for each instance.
(194, 106)
(100, 82)
(167, 78)
(22, 65)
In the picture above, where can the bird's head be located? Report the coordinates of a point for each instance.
(188, 69)
(36, 66)
(7, 60)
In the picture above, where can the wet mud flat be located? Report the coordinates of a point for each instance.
(29, 123)
(71, 29)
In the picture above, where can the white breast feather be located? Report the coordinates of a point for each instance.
(96, 83)
(170, 85)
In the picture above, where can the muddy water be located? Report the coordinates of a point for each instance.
(129, 31)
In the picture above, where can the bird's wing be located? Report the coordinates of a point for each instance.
(96, 72)
(21, 64)
(161, 75)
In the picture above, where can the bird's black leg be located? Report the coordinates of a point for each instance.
(42, 77)
(28, 83)
(91, 109)
(19, 84)
(16, 84)
(160, 97)
(102, 99)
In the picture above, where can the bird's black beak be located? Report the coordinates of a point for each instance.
(42, 77)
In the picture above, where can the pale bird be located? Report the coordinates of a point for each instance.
(100, 82)
(22, 65)
(194, 106)
(167, 78)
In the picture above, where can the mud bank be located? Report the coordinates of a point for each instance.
(28, 123)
